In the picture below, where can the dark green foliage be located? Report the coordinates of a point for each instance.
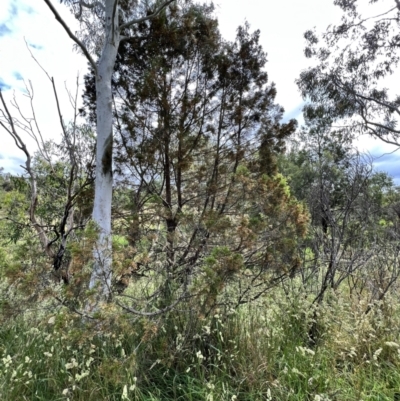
(198, 134)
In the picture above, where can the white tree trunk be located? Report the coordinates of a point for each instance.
(102, 271)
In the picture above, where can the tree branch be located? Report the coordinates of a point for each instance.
(151, 314)
(73, 309)
(13, 132)
(28, 167)
(71, 35)
(136, 21)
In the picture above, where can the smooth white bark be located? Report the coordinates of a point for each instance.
(102, 271)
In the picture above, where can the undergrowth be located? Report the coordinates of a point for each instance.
(256, 352)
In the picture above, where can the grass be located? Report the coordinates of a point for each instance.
(258, 352)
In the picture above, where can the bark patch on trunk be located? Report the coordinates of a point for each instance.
(106, 160)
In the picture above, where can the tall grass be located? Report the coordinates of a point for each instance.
(260, 351)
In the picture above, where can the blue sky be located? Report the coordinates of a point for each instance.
(387, 160)
(282, 24)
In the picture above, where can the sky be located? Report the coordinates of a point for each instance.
(282, 24)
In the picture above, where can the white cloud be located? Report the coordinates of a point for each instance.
(282, 25)
(37, 28)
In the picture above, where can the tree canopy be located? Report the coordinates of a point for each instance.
(352, 80)
(198, 135)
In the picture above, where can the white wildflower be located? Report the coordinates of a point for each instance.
(352, 352)
(125, 393)
(392, 344)
(304, 351)
(376, 354)
(133, 386)
(79, 377)
(207, 329)
(72, 364)
(89, 361)
(7, 361)
(297, 372)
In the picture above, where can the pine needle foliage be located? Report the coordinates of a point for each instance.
(199, 196)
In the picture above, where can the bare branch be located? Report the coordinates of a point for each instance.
(41, 147)
(51, 79)
(21, 145)
(71, 35)
(138, 20)
(13, 132)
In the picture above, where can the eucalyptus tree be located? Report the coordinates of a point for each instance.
(104, 25)
(356, 60)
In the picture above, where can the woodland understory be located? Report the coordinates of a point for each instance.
(248, 257)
